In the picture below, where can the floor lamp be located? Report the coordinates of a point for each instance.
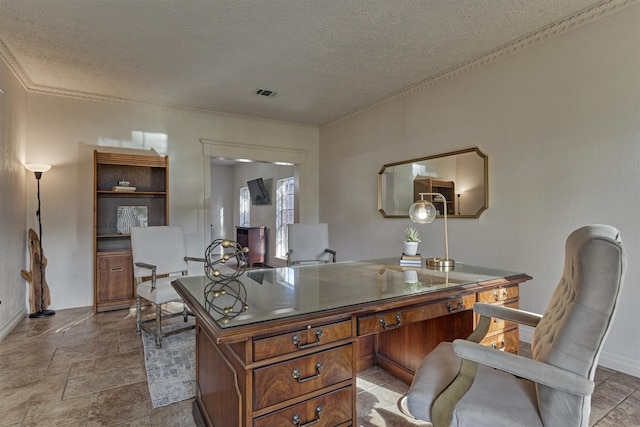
(38, 170)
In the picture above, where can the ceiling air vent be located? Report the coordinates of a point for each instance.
(266, 92)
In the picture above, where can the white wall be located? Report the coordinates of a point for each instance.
(224, 197)
(64, 132)
(560, 122)
(13, 194)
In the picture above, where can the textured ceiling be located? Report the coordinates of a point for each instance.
(326, 59)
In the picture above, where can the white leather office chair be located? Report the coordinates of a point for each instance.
(309, 243)
(466, 384)
(158, 251)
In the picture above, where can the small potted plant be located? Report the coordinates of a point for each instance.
(411, 240)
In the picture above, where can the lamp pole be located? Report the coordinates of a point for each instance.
(38, 170)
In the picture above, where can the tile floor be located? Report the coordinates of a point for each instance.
(80, 369)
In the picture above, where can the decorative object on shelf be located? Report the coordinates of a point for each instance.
(40, 293)
(123, 186)
(131, 216)
(411, 240)
(423, 212)
(228, 298)
(224, 260)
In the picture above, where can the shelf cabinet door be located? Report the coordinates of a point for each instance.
(115, 277)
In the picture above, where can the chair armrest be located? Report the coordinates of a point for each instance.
(332, 252)
(520, 366)
(507, 313)
(145, 265)
(153, 272)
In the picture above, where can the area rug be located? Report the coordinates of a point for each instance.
(171, 369)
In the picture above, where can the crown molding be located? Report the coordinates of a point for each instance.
(580, 18)
(14, 66)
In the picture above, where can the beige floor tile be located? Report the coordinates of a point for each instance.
(118, 405)
(606, 397)
(15, 401)
(626, 414)
(100, 379)
(58, 413)
(177, 414)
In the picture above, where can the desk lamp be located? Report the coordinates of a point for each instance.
(38, 170)
(423, 212)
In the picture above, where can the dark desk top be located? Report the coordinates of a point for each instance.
(280, 293)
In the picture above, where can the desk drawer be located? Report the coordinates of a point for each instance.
(393, 319)
(499, 294)
(330, 409)
(286, 380)
(506, 341)
(291, 342)
(500, 324)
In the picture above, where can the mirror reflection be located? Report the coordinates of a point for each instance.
(461, 176)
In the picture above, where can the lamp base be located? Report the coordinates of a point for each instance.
(441, 264)
(41, 314)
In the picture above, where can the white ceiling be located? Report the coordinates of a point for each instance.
(325, 58)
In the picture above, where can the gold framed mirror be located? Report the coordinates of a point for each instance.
(461, 176)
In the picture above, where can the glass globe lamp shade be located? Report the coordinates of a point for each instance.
(422, 212)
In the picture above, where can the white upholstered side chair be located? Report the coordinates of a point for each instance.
(158, 251)
(309, 243)
(466, 384)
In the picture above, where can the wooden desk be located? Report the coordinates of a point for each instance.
(284, 345)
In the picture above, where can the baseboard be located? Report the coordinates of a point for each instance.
(72, 303)
(625, 365)
(13, 322)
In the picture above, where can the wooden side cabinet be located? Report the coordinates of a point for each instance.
(255, 239)
(144, 203)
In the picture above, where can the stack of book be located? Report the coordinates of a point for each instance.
(411, 260)
(122, 188)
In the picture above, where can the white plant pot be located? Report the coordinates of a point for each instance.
(410, 277)
(410, 248)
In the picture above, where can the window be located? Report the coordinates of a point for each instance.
(284, 214)
(245, 207)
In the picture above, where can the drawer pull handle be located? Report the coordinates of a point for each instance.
(296, 374)
(500, 296)
(296, 418)
(460, 307)
(117, 268)
(296, 341)
(394, 326)
(495, 346)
